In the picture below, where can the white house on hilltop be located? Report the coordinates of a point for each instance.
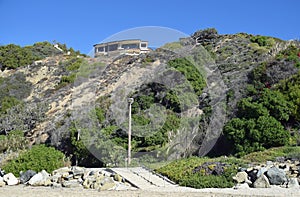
(128, 47)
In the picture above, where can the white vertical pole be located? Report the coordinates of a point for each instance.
(130, 101)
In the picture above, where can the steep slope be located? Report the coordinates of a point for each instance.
(183, 95)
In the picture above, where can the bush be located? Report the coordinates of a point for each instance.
(8, 102)
(81, 154)
(263, 41)
(183, 172)
(39, 157)
(191, 73)
(249, 135)
(272, 153)
(15, 86)
(23, 117)
(14, 141)
(13, 56)
(210, 181)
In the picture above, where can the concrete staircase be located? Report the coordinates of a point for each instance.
(143, 178)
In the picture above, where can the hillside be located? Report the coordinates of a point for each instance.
(207, 94)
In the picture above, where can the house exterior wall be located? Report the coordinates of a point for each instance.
(129, 47)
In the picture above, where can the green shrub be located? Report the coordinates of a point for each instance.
(249, 135)
(290, 88)
(272, 153)
(79, 150)
(210, 181)
(7, 102)
(74, 64)
(13, 56)
(39, 157)
(182, 172)
(172, 46)
(14, 141)
(263, 41)
(191, 73)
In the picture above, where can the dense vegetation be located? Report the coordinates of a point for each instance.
(218, 172)
(38, 158)
(13, 56)
(202, 172)
(147, 135)
(268, 115)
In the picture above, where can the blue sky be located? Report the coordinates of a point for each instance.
(80, 24)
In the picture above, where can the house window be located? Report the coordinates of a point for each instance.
(143, 45)
(100, 49)
(113, 47)
(130, 46)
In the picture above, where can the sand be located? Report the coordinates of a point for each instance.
(28, 191)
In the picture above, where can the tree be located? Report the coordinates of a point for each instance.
(278, 106)
(249, 135)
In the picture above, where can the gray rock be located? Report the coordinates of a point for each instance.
(107, 180)
(252, 175)
(78, 172)
(261, 182)
(241, 186)
(87, 184)
(26, 176)
(10, 179)
(2, 172)
(56, 185)
(107, 186)
(2, 183)
(276, 176)
(71, 184)
(293, 183)
(269, 163)
(242, 177)
(61, 171)
(261, 171)
(242, 169)
(55, 178)
(40, 179)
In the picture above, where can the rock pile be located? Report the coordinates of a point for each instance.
(70, 177)
(285, 174)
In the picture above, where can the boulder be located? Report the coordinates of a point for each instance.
(71, 184)
(10, 179)
(40, 179)
(78, 172)
(241, 186)
(55, 178)
(293, 183)
(2, 183)
(56, 185)
(261, 182)
(252, 175)
(2, 172)
(262, 171)
(87, 184)
(26, 176)
(118, 178)
(107, 186)
(242, 177)
(276, 176)
(61, 171)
